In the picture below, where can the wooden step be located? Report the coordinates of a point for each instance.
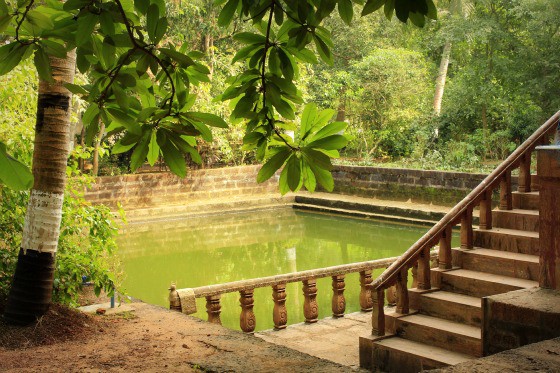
(480, 284)
(440, 333)
(503, 263)
(527, 201)
(504, 239)
(523, 220)
(401, 355)
(450, 306)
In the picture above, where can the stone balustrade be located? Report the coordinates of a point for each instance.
(185, 299)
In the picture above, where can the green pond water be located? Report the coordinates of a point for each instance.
(222, 248)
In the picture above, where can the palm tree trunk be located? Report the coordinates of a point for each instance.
(442, 75)
(31, 291)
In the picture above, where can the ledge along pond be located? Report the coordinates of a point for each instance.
(215, 249)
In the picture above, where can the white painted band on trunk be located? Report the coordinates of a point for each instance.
(42, 222)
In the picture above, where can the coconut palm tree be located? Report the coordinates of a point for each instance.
(31, 291)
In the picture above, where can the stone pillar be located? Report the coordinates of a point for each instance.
(548, 170)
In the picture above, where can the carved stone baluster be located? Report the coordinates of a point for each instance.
(402, 292)
(366, 302)
(247, 320)
(174, 299)
(310, 307)
(338, 300)
(415, 275)
(391, 295)
(279, 314)
(378, 314)
(485, 218)
(213, 309)
(467, 230)
(445, 249)
(424, 281)
(506, 202)
(524, 181)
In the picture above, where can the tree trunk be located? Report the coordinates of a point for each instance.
(442, 75)
(31, 291)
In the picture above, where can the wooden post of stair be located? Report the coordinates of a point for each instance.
(524, 183)
(366, 302)
(378, 314)
(402, 292)
(424, 282)
(467, 229)
(485, 218)
(445, 249)
(548, 169)
(505, 192)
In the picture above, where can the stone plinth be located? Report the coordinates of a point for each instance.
(518, 318)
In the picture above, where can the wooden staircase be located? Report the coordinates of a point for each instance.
(443, 326)
(437, 322)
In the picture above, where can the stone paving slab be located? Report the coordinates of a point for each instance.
(334, 339)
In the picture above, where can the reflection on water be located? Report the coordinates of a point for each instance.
(222, 248)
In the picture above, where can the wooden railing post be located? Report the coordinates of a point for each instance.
(415, 275)
(366, 302)
(506, 202)
(424, 281)
(213, 309)
(310, 307)
(445, 248)
(524, 182)
(378, 314)
(485, 218)
(467, 229)
(279, 313)
(338, 300)
(247, 320)
(402, 292)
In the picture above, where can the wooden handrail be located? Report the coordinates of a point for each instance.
(405, 261)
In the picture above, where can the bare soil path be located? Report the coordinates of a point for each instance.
(148, 339)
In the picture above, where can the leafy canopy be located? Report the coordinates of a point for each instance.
(140, 82)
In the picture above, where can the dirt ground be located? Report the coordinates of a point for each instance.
(147, 339)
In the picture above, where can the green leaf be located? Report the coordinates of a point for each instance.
(308, 117)
(330, 129)
(333, 142)
(317, 158)
(13, 57)
(226, 15)
(417, 19)
(174, 159)
(139, 154)
(152, 19)
(153, 150)
(309, 180)
(43, 64)
(209, 119)
(273, 164)
(13, 173)
(323, 49)
(371, 6)
(294, 172)
(75, 4)
(125, 120)
(283, 182)
(119, 147)
(90, 114)
(76, 89)
(205, 132)
(389, 8)
(142, 6)
(323, 176)
(432, 10)
(86, 25)
(183, 60)
(346, 11)
(249, 38)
